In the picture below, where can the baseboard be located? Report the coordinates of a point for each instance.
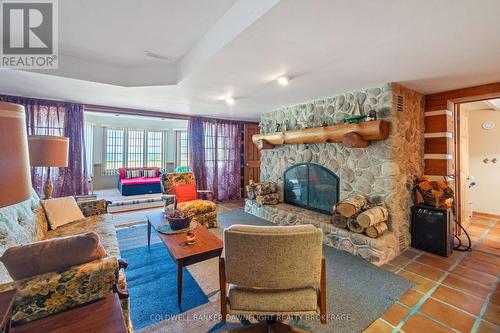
(487, 215)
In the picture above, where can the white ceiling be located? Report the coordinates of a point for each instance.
(236, 48)
(487, 105)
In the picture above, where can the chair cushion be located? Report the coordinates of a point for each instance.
(262, 300)
(197, 206)
(185, 192)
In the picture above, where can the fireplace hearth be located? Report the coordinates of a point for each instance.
(311, 186)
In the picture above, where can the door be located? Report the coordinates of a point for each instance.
(464, 211)
(251, 156)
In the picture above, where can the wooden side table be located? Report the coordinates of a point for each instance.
(6, 303)
(102, 316)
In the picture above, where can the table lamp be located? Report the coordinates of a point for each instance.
(48, 151)
(15, 182)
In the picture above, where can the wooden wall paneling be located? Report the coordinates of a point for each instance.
(251, 156)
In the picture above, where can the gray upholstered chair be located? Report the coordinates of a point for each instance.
(272, 273)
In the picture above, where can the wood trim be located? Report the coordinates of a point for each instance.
(322, 292)
(436, 167)
(436, 145)
(223, 292)
(439, 101)
(438, 124)
(485, 215)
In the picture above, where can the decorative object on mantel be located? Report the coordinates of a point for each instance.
(356, 214)
(48, 151)
(433, 193)
(363, 133)
(356, 119)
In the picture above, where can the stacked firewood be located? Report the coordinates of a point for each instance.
(436, 193)
(357, 214)
(265, 193)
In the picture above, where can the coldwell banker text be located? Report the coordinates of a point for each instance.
(29, 34)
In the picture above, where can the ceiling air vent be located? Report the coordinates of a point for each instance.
(401, 103)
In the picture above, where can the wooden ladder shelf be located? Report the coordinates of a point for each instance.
(350, 135)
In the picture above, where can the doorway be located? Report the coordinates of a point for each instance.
(479, 142)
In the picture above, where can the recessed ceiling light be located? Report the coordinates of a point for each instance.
(152, 54)
(230, 100)
(283, 80)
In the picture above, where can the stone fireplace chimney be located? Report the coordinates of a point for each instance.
(383, 171)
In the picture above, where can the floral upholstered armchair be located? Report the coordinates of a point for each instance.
(179, 190)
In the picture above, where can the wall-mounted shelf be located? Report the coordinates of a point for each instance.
(350, 135)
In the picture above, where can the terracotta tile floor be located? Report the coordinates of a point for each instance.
(460, 293)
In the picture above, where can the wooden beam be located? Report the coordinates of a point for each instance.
(368, 131)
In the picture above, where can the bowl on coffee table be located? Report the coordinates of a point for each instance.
(179, 220)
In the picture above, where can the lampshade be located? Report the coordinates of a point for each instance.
(48, 150)
(15, 180)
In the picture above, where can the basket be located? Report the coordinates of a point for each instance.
(179, 223)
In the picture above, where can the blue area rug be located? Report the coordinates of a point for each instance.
(152, 282)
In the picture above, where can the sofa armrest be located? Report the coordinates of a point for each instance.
(94, 207)
(46, 294)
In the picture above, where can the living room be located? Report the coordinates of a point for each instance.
(249, 166)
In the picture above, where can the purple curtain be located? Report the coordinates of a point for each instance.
(44, 117)
(215, 148)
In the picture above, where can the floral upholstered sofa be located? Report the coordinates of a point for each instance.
(45, 294)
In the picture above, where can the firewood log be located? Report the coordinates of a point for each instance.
(373, 216)
(352, 205)
(376, 230)
(353, 225)
(339, 221)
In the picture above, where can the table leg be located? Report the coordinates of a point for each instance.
(179, 283)
(149, 234)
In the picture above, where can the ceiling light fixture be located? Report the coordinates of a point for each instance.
(230, 100)
(283, 80)
(152, 54)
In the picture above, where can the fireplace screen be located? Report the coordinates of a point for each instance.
(311, 186)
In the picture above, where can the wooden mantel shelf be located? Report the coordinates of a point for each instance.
(351, 135)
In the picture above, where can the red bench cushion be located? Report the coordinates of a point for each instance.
(138, 181)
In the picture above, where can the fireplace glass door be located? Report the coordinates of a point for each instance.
(311, 186)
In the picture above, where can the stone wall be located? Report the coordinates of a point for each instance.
(383, 171)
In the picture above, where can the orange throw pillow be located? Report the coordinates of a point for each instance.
(185, 192)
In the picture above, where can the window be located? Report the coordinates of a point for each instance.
(89, 148)
(154, 149)
(114, 148)
(182, 158)
(134, 148)
(135, 151)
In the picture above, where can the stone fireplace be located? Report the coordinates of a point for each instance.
(311, 186)
(383, 171)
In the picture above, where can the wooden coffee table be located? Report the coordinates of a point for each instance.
(207, 246)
